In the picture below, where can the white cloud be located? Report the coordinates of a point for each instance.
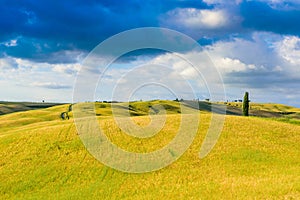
(265, 64)
(207, 18)
(161, 74)
(68, 69)
(140, 77)
(199, 23)
(227, 65)
(257, 51)
(289, 49)
(35, 81)
(179, 65)
(189, 72)
(197, 18)
(253, 64)
(8, 63)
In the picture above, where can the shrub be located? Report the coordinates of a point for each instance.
(102, 106)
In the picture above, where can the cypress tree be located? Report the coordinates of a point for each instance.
(246, 104)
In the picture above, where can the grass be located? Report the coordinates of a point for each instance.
(272, 107)
(289, 120)
(42, 157)
(10, 107)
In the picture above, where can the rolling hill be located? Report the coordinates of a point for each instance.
(42, 157)
(10, 107)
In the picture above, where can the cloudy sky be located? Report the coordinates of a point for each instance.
(255, 46)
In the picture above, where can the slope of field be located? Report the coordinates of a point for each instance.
(138, 108)
(272, 107)
(42, 157)
(258, 109)
(10, 107)
(143, 108)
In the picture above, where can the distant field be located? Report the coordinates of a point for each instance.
(272, 107)
(142, 108)
(264, 110)
(10, 107)
(42, 157)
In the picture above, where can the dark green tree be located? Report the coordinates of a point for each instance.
(246, 104)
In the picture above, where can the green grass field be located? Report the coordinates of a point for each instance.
(42, 157)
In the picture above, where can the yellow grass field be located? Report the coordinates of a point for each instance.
(42, 157)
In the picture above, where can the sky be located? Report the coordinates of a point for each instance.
(254, 45)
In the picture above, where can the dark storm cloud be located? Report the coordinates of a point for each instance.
(51, 26)
(45, 28)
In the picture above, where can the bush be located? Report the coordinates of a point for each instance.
(102, 106)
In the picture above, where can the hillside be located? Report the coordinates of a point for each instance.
(279, 109)
(10, 107)
(258, 109)
(142, 108)
(41, 156)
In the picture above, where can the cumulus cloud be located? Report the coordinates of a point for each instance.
(28, 66)
(200, 22)
(263, 64)
(227, 65)
(35, 81)
(68, 69)
(254, 64)
(257, 49)
(196, 18)
(289, 49)
(8, 63)
(189, 75)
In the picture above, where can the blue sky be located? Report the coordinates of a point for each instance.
(254, 44)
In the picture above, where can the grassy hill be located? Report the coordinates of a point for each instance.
(10, 107)
(272, 107)
(279, 109)
(42, 157)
